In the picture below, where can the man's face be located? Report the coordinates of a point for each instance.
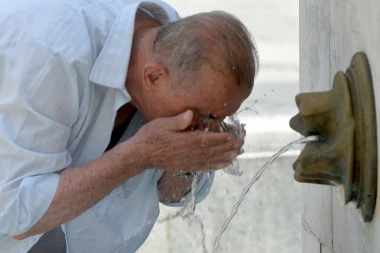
(215, 96)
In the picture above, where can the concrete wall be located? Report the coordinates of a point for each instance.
(330, 33)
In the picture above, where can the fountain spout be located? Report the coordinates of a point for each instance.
(346, 153)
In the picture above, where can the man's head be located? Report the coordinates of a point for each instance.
(205, 62)
(215, 38)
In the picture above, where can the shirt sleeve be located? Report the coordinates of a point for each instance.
(201, 192)
(38, 106)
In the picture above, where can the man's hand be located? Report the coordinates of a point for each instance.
(163, 143)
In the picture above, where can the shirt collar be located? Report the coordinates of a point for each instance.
(110, 68)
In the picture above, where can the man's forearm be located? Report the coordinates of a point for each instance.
(161, 143)
(82, 187)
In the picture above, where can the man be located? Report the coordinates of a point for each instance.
(78, 82)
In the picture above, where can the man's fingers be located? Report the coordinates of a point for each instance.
(212, 149)
(226, 157)
(205, 158)
(226, 147)
(210, 139)
(177, 123)
(172, 148)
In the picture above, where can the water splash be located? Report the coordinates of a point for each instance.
(187, 212)
(230, 124)
(254, 179)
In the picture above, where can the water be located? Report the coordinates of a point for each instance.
(254, 179)
(187, 212)
(231, 124)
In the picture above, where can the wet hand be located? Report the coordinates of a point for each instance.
(163, 143)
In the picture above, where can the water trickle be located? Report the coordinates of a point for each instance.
(254, 179)
(187, 212)
(231, 124)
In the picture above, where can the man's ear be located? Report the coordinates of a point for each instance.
(155, 75)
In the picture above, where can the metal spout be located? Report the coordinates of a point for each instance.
(345, 117)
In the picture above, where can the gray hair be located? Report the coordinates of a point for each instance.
(216, 38)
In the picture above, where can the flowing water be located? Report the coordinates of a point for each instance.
(187, 212)
(254, 179)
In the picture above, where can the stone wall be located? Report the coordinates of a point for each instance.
(330, 33)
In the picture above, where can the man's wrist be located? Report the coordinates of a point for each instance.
(130, 161)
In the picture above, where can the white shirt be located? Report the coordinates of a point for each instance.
(63, 67)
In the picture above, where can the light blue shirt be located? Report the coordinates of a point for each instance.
(63, 67)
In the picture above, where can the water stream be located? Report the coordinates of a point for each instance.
(254, 179)
(231, 124)
(187, 212)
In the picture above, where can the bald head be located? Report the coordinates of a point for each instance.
(216, 38)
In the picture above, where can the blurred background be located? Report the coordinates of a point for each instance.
(269, 219)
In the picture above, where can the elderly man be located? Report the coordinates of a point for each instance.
(97, 99)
